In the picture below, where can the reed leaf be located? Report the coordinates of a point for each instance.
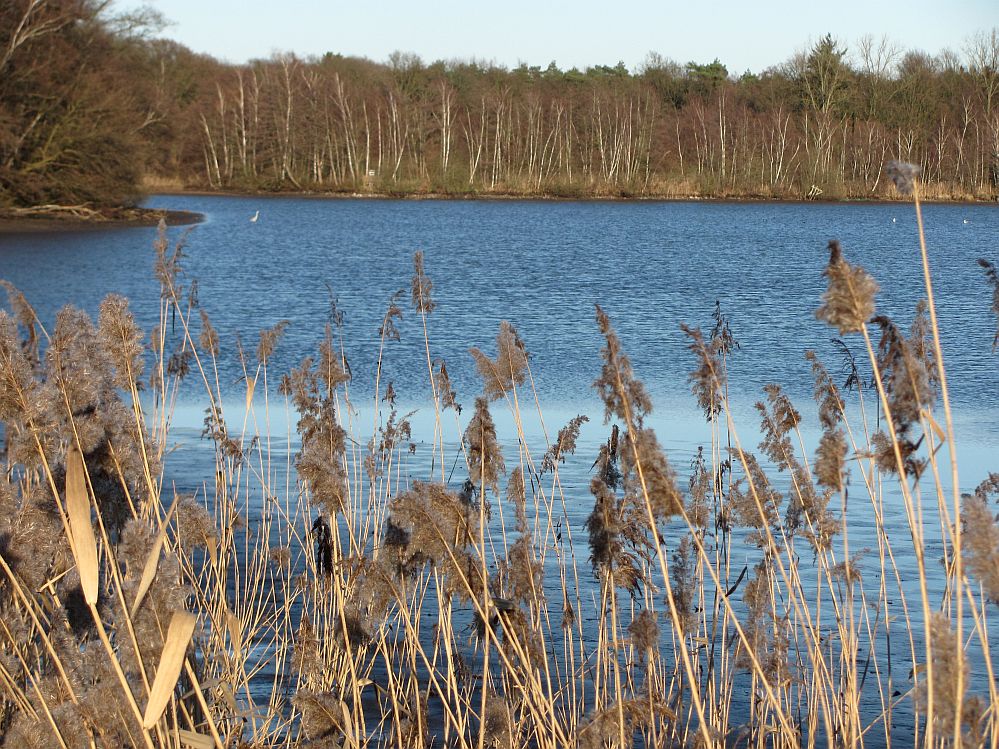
(78, 508)
(251, 385)
(152, 562)
(195, 740)
(174, 651)
(235, 630)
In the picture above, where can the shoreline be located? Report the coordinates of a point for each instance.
(49, 219)
(543, 198)
(127, 218)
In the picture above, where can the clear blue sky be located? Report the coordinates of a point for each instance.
(743, 34)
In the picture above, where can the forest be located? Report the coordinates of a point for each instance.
(94, 109)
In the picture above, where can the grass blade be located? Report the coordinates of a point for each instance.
(174, 651)
(195, 740)
(78, 509)
(152, 561)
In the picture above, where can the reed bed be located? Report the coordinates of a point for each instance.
(353, 590)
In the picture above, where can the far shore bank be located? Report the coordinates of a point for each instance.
(44, 219)
(548, 197)
(28, 221)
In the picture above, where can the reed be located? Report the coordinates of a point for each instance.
(348, 590)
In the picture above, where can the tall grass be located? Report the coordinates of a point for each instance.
(355, 591)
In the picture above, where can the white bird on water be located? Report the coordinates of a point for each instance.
(254, 217)
(893, 219)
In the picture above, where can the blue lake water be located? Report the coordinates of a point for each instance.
(543, 266)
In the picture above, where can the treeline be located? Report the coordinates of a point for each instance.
(89, 104)
(817, 123)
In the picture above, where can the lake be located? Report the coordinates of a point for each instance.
(543, 266)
